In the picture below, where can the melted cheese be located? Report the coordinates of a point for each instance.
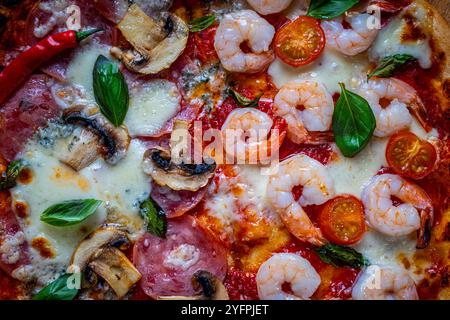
(330, 69)
(390, 39)
(151, 106)
(121, 187)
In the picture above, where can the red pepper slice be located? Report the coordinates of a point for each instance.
(28, 61)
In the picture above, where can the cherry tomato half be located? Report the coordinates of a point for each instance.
(300, 42)
(410, 156)
(342, 220)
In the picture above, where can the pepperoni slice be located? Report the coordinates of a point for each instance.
(176, 203)
(29, 109)
(167, 265)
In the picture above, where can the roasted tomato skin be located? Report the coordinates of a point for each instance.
(410, 156)
(300, 42)
(342, 220)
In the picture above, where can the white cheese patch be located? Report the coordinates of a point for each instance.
(81, 67)
(121, 187)
(151, 106)
(330, 69)
(389, 40)
(183, 256)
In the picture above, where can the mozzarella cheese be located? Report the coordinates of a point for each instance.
(151, 106)
(330, 69)
(120, 187)
(390, 39)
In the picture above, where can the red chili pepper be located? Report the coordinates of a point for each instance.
(28, 61)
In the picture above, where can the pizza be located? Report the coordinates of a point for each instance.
(217, 150)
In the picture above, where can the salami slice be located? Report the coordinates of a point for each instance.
(167, 265)
(29, 109)
(176, 203)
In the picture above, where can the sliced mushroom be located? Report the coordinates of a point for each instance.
(157, 44)
(113, 142)
(192, 177)
(81, 151)
(113, 266)
(211, 287)
(100, 253)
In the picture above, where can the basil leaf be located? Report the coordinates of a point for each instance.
(339, 256)
(201, 23)
(155, 218)
(70, 212)
(244, 101)
(353, 122)
(58, 289)
(110, 90)
(8, 178)
(329, 9)
(387, 65)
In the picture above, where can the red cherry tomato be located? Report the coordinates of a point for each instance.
(300, 42)
(410, 156)
(342, 220)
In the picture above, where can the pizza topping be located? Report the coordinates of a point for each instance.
(100, 252)
(190, 177)
(111, 90)
(114, 142)
(176, 203)
(329, 9)
(157, 44)
(202, 23)
(388, 65)
(18, 71)
(58, 289)
(339, 256)
(8, 177)
(70, 212)
(155, 218)
(415, 213)
(82, 152)
(300, 42)
(342, 220)
(194, 250)
(353, 123)
(410, 156)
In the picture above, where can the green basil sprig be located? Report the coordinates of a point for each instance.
(244, 101)
(58, 289)
(389, 64)
(202, 23)
(329, 9)
(353, 122)
(339, 256)
(70, 212)
(8, 178)
(110, 90)
(155, 218)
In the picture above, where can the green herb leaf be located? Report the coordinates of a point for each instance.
(110, 90)
(59, 289)
(353, 122)
(201, 23)
(387, 65)
(8, 178)
(329, 9)
(340, 256)
(70, 212)
(244, 101)
(155, 218)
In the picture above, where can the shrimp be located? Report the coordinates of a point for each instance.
(316, 116)
(289, 268)
(395, 116)
(384, 283)
(416, 213)
(239, 27)
(246, 134)
(349, 41)
(266, 7)
(318, 187)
